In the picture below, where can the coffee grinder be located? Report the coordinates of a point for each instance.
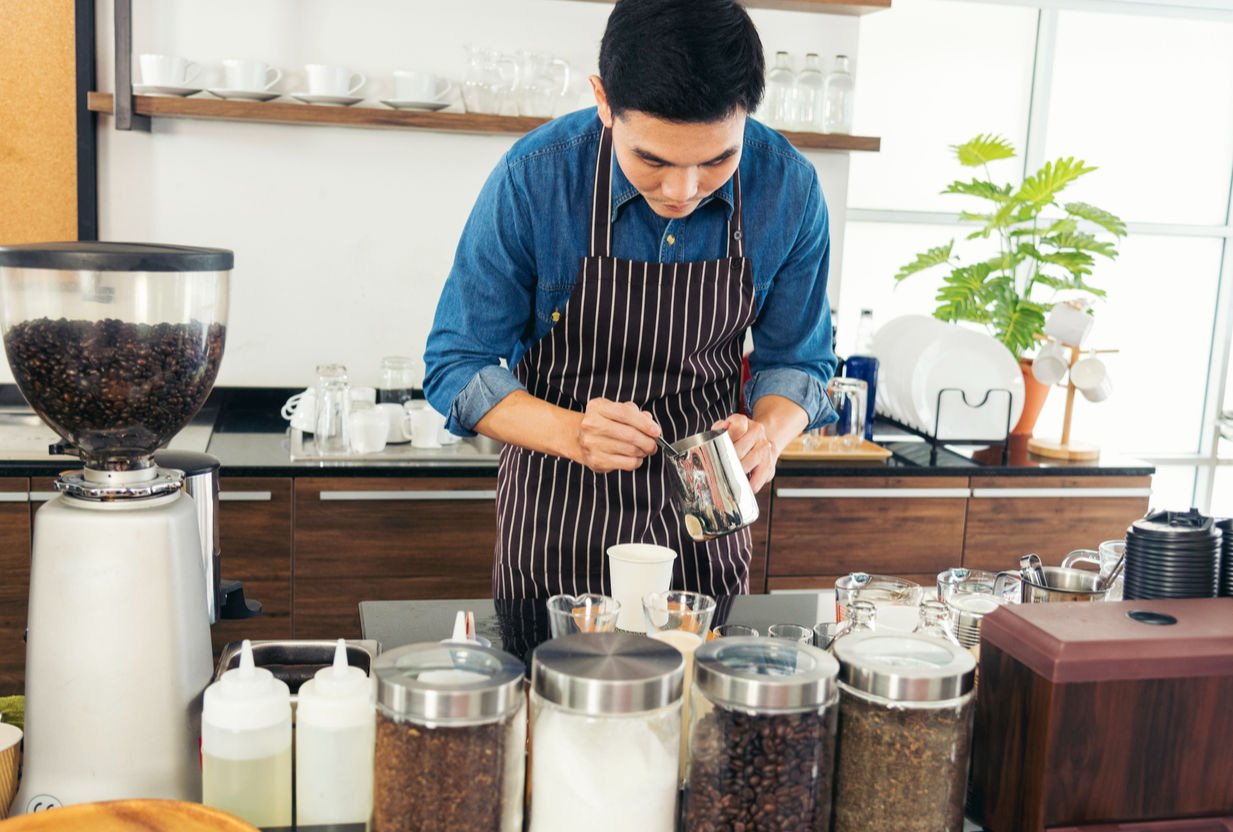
(115, 346)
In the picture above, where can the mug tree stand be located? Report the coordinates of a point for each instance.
(1066, 448)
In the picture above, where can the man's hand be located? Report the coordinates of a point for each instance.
(615, 436)
(757, 452)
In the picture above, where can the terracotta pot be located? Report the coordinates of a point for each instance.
(1035, 394)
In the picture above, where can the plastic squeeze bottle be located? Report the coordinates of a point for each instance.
(246, 744)
(335, 733)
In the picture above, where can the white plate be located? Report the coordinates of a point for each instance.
(160, 89)
(429, 106)
(897, 346)
(245, 95)
(974, 363)
(331, 100)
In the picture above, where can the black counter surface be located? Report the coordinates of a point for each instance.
(250, 438)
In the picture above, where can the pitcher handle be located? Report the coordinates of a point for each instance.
(1003, 581)
(564, 64)
(1082, 556)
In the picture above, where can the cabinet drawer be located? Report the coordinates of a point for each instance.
(388, 538)
(1010, 517)
(892, 526)
(254, 532)
(15, 583)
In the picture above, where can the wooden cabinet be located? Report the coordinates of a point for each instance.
(368, 539)
(1051, 516)
(760, 532)
(911, 527)
(254, 532)
(14, 580)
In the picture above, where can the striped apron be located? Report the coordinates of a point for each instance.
(666, 336)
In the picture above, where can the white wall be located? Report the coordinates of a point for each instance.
(343, 237)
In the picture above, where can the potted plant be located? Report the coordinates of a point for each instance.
(1046, 252)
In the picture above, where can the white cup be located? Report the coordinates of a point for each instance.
(423, 423)
(301, 410)
(369, 428)
(249, 76)
(333, 80)
(395, 432)
(363, 396)
(635, 570)
(1049, 366)
(167, 70)
(1092, 379)
(420, 86)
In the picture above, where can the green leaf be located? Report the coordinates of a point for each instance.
(1062, 226)
(933, 257)
(983, 149)
(1075, 262)
(1042, 187)
(1109, 222)
(1081, 241)
(1005, 262)
(962, 295)
(981, 188)
(1017, 324)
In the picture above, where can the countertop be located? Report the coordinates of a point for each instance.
(243, 428)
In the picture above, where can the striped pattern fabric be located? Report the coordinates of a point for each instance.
(666, 336)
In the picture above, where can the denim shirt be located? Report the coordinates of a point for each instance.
(520, 251)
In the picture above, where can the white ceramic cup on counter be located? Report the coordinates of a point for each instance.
(424, 424)
(1091, 377)
(410, 85)
(167, 70)
(324, 79)
(249, 76)
(398, 429)
(369, 428)
(1050, 365)
(301, 410)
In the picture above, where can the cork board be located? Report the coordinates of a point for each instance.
(38, 122)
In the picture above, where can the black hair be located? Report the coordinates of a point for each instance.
(681, 60)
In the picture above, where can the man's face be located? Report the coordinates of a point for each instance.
(674, 165)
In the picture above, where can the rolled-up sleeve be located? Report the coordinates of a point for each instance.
(486, 304)
(792, 355)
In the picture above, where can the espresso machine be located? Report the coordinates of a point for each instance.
(115, 346)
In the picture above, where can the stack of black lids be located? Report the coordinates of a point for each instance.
(1172, 554)
(1226, 558)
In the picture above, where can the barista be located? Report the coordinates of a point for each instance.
(693, 223)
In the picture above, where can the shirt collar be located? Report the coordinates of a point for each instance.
(623, 192)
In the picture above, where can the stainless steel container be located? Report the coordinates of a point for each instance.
(201, 484)
(1062, 585)
(709, 485)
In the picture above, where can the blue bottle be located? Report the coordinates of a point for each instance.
(864, 366)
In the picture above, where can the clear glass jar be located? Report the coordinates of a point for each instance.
(839, 98)
(762, 727)
(451, 740)
(399, 379)
(333, 403)
(862, 617)
(810, 95)
(606, 733)
(905, 733)
(935, 621)
(779, 102)
(897, 599)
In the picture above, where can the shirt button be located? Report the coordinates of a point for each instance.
(671, 239)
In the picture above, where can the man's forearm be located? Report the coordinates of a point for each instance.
(783, 419)
(523, 420)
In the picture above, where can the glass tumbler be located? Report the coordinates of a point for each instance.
(847, 397)
(588, 613)
(333, 409)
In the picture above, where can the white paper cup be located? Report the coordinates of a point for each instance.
(635, 570)
(10, 759)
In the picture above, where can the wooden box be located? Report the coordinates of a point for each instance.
(1092, 717)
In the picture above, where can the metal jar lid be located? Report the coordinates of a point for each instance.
(448, 682)
(905, 667)
(606, 674)
(116, 257)
(765, 674)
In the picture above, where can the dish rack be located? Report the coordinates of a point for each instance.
(955, 397)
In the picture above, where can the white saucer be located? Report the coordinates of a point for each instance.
(245, 95)
(401, 104)
(332, 100)
(160, 89)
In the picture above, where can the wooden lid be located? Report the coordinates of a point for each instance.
(1106, 641)
(130, 816)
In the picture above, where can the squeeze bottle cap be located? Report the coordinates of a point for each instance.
(337, 696)
(246, 698)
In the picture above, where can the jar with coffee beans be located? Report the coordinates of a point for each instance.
(762, 736)
(905, 732)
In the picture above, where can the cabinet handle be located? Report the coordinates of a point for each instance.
(245, 496)
(353, 496)
(42, 496)
(893, 493)
(1056, 493)
(15, 497)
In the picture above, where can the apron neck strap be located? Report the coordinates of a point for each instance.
(601, 206)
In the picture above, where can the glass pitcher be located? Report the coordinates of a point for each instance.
(491, 79)
(544, 82)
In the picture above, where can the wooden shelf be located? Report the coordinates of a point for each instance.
(278, 112)
(816, 6)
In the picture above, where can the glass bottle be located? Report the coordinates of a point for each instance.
(810, 95)
(780, 99)
(860, 617)
(837, 110)
(864, 334)
(935, 621)
(398, 379)
(333, 409)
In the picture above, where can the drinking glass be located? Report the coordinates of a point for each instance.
(333, 409)
(734, 630)
(399, 377)
(961, 581)
(896, 599)
(590, 613)
(791, 632)
(847, 397)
